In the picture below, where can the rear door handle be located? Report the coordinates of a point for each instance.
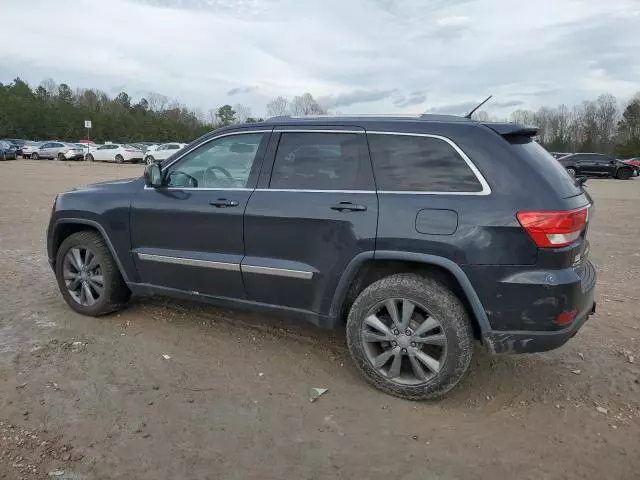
(223, 203)
(348, 206)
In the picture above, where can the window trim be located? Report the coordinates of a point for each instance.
(486, 189)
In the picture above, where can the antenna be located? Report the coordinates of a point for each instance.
(468, 115)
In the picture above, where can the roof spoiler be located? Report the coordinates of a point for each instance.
(510, 129)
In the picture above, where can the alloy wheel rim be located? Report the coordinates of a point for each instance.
(83, 276)
(403, 342)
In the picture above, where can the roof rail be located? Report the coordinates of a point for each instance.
(346, 115)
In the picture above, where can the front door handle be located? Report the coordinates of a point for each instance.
(348, 206)
(223, 203)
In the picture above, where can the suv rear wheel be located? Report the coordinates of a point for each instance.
(410, 336)
(88, 276)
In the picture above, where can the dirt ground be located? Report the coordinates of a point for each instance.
(84, 398)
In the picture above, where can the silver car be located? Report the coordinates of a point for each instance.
(58, 151)
(29, 147)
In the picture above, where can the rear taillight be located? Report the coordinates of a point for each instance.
(554, 229)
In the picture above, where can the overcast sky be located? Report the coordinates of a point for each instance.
(368, 56)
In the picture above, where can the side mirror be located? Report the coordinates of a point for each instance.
(152, 175)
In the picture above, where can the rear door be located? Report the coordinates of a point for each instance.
(604, 165)
(315, 209)
(188, 235)
(587, 163)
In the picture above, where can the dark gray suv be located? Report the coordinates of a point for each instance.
(417, 235)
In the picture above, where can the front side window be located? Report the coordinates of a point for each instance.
(322, 161)
(227, 162)
(419, 164)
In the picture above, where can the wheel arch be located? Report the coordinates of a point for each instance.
(368, 267)
(65, 227)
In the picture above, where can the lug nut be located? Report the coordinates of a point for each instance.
(413, 344)
(394, 343)
(404, 350)
(396, 332)
(408, 333)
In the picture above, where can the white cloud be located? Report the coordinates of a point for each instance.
(359, 55)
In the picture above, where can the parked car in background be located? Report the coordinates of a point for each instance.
(414, 237)
(596, 164)
(88, 147)
(17, 143)
(635, 163)
(162, 152)
(29, 147)
(116, 152)
(7, 151)
(58, 151)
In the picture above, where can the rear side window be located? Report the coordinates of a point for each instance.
(322, 161)
(409, 163)
(549, 167)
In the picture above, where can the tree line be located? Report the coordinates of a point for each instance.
(52, 111)
(603, 125)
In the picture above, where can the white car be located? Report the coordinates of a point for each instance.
(162, 152)
(116, 152)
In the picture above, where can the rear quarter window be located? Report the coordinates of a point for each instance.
(549, 167)
(412, 163)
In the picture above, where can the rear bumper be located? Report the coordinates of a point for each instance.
(498, 342)
(524, 306)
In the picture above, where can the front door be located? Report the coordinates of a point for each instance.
(188, 235)
(315, 210)
(46, 150)
(102, 153)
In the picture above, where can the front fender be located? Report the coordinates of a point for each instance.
(124, 263)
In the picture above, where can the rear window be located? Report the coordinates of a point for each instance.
(419, 164)
(551, 168)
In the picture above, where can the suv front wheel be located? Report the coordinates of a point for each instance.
(88, 277)
(410, 336)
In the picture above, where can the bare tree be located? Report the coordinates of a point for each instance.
(524, 117)
(305, 104)
(481, 116)
(50, 86)
(242, 113)
(278, 107)
(608, 115)
(212, 116)
(157, 102)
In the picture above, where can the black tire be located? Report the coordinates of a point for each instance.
(115, 294)
(571, 171)
(119, 159)
(441, 303)
(60, 157)
(624, 173)
(35, 156)
(89, 157)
